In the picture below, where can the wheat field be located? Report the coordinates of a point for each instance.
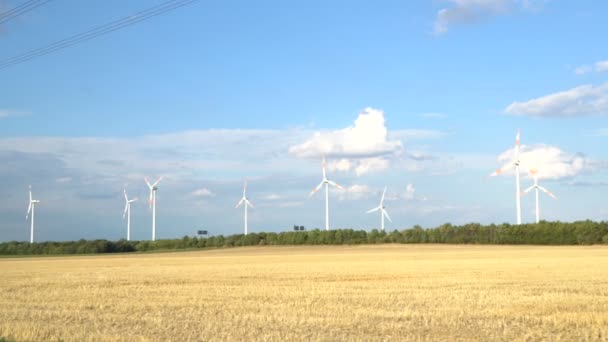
(352, 293)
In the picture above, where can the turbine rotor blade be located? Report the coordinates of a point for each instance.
(151, 199)
(249, 203)
(386, 214)
(240, 202)
(125, 212)
(517, 145)
(330, 182)
(547, 192)
(317, 188)
(125, 193)
(30, 193)
(148, 182)
(382, 199)
(158, 181)
(372, 210)
(323, 164)
(527, 190)
(29, 210)
(500, 171)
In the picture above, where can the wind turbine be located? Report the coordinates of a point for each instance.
(382, 209)
(537, 187)
(245, 200)
(128, 213)
(31, 209)
(515, 164)
(327, 183)
(152, 201)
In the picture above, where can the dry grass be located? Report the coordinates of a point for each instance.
(401, 292)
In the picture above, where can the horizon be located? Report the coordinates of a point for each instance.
(425, 98)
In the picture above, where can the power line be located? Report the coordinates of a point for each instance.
(96, 32)
(21, 9)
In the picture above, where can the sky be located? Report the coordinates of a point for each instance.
(423, 97)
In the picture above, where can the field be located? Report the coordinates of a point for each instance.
(385, 292)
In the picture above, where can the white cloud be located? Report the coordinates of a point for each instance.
(363, 147)
(601, 66)
(471, 11)
(409, 194)
(580, 101)
(271, 197)
(583, 69)
(5, 113)
(551, 162)
(410, 191)
(355, 192)
(63, 179)
(203, 192)
(368, 137)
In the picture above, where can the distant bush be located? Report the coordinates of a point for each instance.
(543, 233)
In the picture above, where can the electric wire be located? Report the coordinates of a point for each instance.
(96, 32)
(21, 9)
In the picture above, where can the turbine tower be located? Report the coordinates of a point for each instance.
(31, 209)
(515, 164)
(245, 200)
(127, 213)
(537, 187)
(382, 209)
(152, 201)
(327, 183)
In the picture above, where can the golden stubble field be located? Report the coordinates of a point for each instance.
(358, 293)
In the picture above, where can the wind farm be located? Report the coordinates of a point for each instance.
(303, 171)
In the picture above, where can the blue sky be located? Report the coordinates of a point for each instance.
(428, 94)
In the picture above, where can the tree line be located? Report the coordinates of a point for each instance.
(544, 233)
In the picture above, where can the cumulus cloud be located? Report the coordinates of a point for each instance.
(550, 161)
(203, 192)
(368, 137)
(362, 147)
(471, 11)
(580, 101)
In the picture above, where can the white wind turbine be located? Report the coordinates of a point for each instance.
(537, 187)
(325, 182)
(247, 203)
(31, 209)
(127, 213)
(382, 209)
(152, 201)
(515, 164)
